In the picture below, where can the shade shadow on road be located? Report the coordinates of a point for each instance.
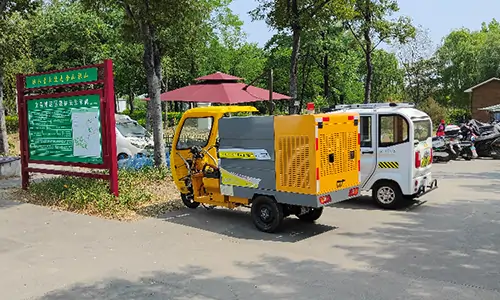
(457, 242)
(238, 224)
(367, 203)
(271, 278)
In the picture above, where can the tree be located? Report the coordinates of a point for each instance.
(370, 27)
(65, 34)
(388, 78)
(162, 26)
(12, 45)
(297, 16)
(416, 58)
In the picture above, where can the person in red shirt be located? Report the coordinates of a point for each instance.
(440, 130)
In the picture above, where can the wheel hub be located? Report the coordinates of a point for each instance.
(265, 214)
(386, 195)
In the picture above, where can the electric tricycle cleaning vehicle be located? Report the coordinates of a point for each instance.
(278, 165)
(396, 151)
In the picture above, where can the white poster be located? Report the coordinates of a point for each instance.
(86, 133)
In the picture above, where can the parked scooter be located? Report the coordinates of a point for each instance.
(451, 133)
(485, 140)
(440, 150)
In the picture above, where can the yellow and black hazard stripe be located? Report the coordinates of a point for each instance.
(388, 165)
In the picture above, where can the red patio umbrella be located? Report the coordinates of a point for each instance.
(219, 88)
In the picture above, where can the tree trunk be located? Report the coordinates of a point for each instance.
(131, 97)
(117, 104)
(326, 65)
(152, 65)
(294, 61)
(4, 141)
(368, 53)
(326, 77)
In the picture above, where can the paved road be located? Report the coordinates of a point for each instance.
(444, 249)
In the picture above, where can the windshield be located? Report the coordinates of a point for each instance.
(195, 132)
(423, 129)
(131, 129)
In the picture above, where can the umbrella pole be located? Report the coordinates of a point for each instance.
(270, 88)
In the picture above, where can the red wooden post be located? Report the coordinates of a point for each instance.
(23, 128)
(109, 95)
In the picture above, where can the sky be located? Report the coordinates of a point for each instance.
(440, 17)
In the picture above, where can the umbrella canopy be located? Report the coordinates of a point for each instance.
(220, 88)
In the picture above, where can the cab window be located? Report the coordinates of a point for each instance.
(393, 130)
(366, 131)
(194, 132)
(423, 130)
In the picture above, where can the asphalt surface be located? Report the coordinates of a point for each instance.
(446, 248)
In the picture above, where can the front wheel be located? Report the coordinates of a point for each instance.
(312, 215)
(188, 200)
(387, 195)
(452, 156)
(496, 149)
(267, 214)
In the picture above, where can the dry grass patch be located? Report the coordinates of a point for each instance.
(146, 192)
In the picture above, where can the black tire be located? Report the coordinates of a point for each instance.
(387, 195)
(452, 156)
(311, 216)
(122, 156)
(267, 214)
(496, 149)
(188, 201)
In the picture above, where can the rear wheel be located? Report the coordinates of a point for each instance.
(188, 200)
(267, 214)
(387, 195)
(312, 215)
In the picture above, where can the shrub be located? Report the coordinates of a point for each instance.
(140, 116)
(12, 123)
(456, 115)
(435, 111)
(148, 191)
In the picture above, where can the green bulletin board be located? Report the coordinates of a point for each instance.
(66, 129)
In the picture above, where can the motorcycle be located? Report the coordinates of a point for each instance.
(440, 150)
(451, 133)
(484, 139)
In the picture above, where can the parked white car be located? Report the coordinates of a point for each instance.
(131, 138)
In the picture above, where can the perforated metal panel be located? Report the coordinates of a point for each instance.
(293, 161)
(340, 144)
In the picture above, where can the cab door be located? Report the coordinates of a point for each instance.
(368, 126)
(195, 130)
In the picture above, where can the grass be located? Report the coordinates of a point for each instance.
(147, 192)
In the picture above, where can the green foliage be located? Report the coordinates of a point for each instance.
(12, 123)
(435, 111)
(388, 77)
(456, 115)
(465, 59)
(91, 196)
(320, 102)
